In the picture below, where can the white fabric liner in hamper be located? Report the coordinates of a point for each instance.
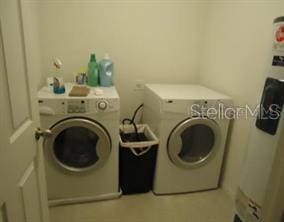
(134, 146)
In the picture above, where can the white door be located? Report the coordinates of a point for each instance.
(22, 183)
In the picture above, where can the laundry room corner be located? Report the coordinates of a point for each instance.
(214, 43)
(142, 110)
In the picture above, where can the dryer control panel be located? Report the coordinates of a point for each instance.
(195, 107)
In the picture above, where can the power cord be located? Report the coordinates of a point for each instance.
(132, 121)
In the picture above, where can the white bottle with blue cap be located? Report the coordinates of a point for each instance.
(106, 71)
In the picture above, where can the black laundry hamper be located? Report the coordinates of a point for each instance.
(137, 159)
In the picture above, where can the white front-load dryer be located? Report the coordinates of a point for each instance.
(192, 130)
(81, 148)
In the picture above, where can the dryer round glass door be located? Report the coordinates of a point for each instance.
(78, 144)
(193, 142)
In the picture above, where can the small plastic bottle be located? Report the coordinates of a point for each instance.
(93, 71)
(106, 71)
(58, 83)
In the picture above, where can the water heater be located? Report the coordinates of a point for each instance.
(259, 194)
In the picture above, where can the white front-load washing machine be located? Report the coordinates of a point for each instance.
(192, 129)
(81, 149)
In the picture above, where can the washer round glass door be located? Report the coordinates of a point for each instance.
(193, 142)
(78, 144)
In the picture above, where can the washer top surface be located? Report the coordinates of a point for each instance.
(108, 93)
(185, 92)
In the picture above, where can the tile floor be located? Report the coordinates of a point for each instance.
(209, 206)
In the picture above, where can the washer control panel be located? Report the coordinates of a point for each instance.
(76, 106)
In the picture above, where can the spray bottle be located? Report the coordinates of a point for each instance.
(58, 84)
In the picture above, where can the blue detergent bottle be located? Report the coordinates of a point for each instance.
(106, 71)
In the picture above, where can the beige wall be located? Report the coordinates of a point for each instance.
(152, 41)
(235, 60)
